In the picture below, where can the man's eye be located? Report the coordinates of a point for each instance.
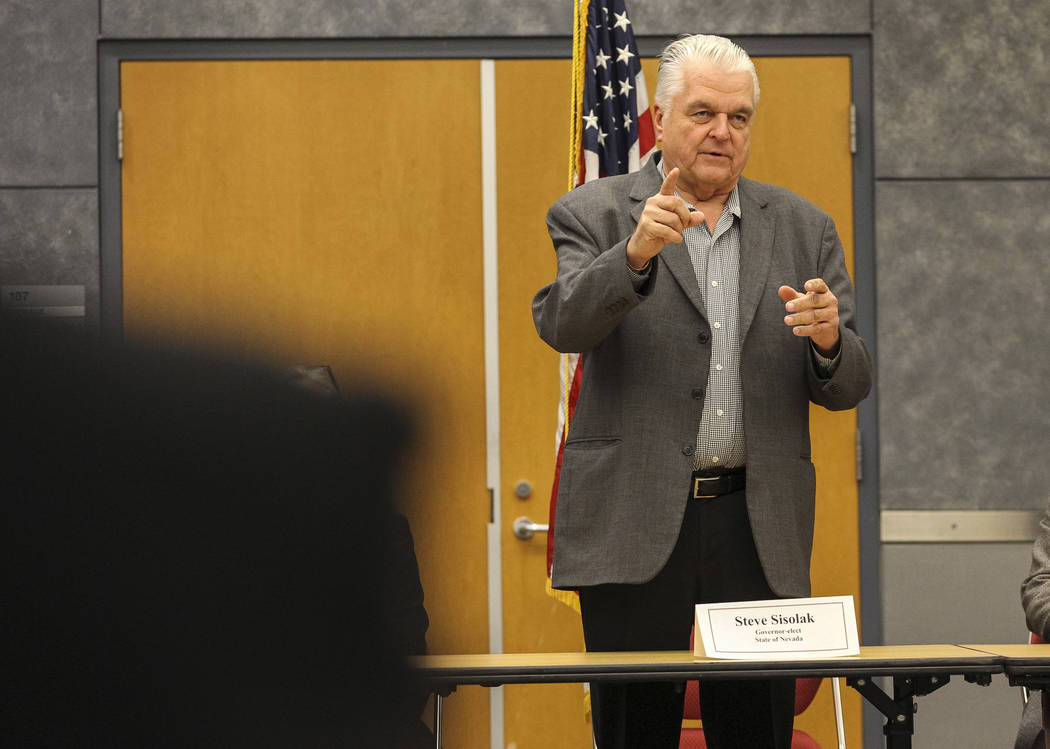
(702, 115)
(740, 120)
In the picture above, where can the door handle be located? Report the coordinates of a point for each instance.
(524, 528)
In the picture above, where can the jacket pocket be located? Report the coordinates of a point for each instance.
(591, 443)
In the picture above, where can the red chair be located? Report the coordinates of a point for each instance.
(1031, 732)
(693, 738)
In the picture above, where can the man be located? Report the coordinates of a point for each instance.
(1035, 599)
(709, 310)
(1035, 590)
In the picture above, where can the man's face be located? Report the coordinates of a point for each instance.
(707, 131)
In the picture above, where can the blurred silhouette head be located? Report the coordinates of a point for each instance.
(188, 555)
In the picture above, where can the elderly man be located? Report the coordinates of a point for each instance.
(709, 310)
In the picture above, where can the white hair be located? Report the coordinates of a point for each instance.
(699, 48)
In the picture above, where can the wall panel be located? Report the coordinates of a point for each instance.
(961, 88)
(47, 86)
(50, 237)
(271, 19)
(963, 342)
(958, 593)
(403, 18)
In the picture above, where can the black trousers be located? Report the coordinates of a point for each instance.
(714, 560)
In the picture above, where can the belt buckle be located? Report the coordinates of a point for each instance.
(696, 486)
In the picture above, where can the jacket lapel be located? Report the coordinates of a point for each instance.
(757, 230)
(675, 255)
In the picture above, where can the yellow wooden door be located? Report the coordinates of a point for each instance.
(305, 212)
(329, 212)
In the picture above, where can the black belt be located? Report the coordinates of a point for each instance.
(714, 482)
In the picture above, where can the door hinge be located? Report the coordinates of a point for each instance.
(120, 135)
(852, 128)
(860, 457)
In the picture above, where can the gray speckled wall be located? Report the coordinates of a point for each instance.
(961, 88)
(406, 18)
(267, 19)
(50, 237)
(964, 354)
(48, 88)
(48, 146)
(751, 17)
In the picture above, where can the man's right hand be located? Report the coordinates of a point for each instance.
(663, 220)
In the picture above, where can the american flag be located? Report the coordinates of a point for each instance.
(615, 137)
(616, 125)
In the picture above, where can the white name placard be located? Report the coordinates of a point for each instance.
(784, 628)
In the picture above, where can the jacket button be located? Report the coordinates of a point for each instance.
(688, 449)
(698, 393)
(704, 337)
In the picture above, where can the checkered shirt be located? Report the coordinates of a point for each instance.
(716, 260)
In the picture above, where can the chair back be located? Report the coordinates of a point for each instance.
(693, 738)
(805, 690)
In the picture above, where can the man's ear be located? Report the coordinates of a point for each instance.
(658, 121)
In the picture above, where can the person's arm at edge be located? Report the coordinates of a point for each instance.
(1035, 590)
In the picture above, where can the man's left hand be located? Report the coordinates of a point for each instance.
(813, 314)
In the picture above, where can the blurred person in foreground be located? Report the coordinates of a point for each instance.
(190, 554)
(402, 590)
(709, 311)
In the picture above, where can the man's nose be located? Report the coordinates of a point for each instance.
(720, 126)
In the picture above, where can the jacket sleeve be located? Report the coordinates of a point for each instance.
(594, 289)
(1035, 590)
(851, 381)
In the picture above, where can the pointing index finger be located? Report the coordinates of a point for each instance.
(670, 182)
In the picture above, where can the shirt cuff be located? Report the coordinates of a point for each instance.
(639, 277)
(825, 367)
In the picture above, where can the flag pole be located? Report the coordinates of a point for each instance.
(579, 60)
(579, 63)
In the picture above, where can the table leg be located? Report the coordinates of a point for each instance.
(900, 710)
(1045, 702)
(437, 719)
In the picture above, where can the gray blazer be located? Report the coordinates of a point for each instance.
(1035, 590)
(645, 356)
(1035, 599)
